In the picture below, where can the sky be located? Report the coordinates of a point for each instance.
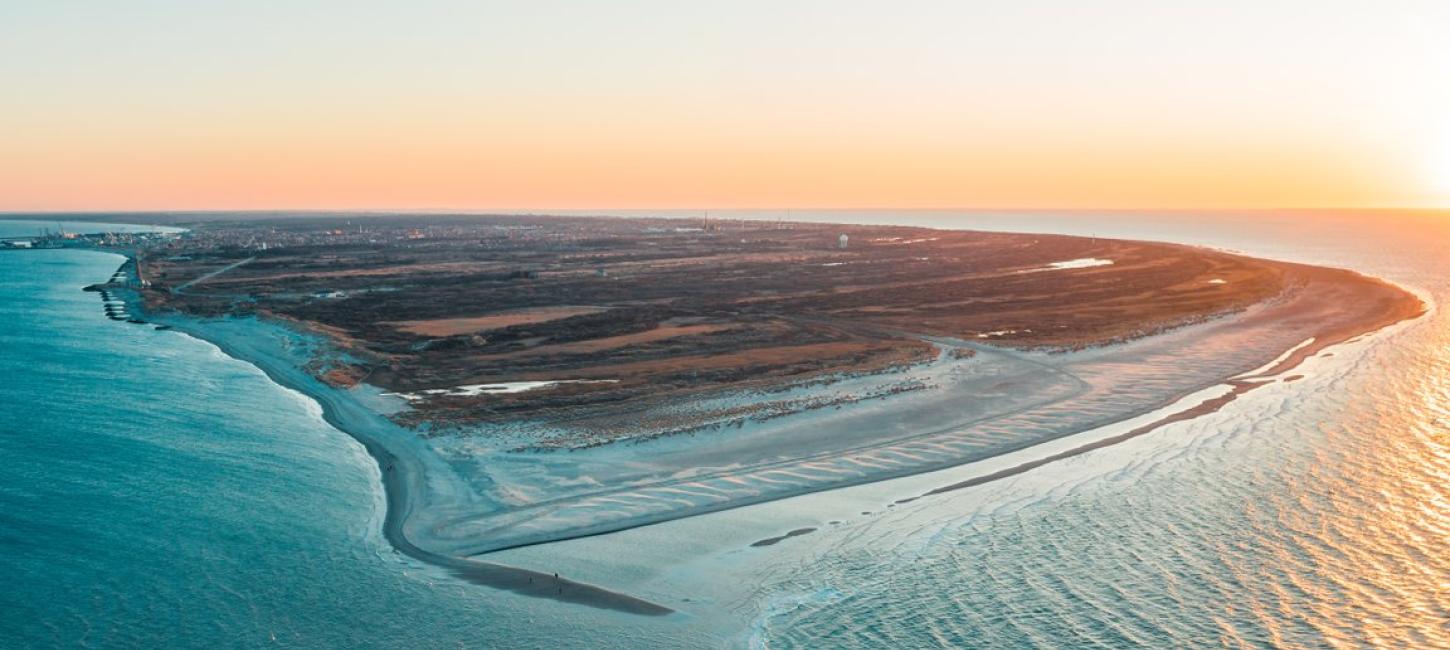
(313, 104)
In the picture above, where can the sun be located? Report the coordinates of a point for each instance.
(1437, 172)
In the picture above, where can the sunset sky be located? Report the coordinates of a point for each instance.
(636, 104)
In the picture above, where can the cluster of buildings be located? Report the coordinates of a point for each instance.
(62, 238)
(263, 237)
(258, 237)
(302, 233)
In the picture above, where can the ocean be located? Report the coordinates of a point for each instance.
(156, 492)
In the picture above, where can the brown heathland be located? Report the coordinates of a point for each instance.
(672, 309)
(470, 325)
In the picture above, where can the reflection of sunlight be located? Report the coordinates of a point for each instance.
(1381, 547)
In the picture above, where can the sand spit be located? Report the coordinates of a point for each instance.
(1013, 401)
(438, 514)
(1394, 311)
(412, 481)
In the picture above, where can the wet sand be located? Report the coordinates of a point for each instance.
(635, 486)
(1203, 408)
(404, 476)
(1383, 305)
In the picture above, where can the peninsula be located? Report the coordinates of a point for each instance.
(523, 380)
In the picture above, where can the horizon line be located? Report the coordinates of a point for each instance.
(521, 211)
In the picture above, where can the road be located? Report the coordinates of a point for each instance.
(187, 285)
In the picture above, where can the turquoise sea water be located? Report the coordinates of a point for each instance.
(156, 493)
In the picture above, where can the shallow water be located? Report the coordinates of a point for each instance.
(1316, 525)
(158, 492)
(1314, 514)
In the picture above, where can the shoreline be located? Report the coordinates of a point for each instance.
(406, 479)
(403, 475)
(1335, 305)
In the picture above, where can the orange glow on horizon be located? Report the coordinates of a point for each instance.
(320, 170)
(644, 105)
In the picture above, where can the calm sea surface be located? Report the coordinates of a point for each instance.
(155, 492)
